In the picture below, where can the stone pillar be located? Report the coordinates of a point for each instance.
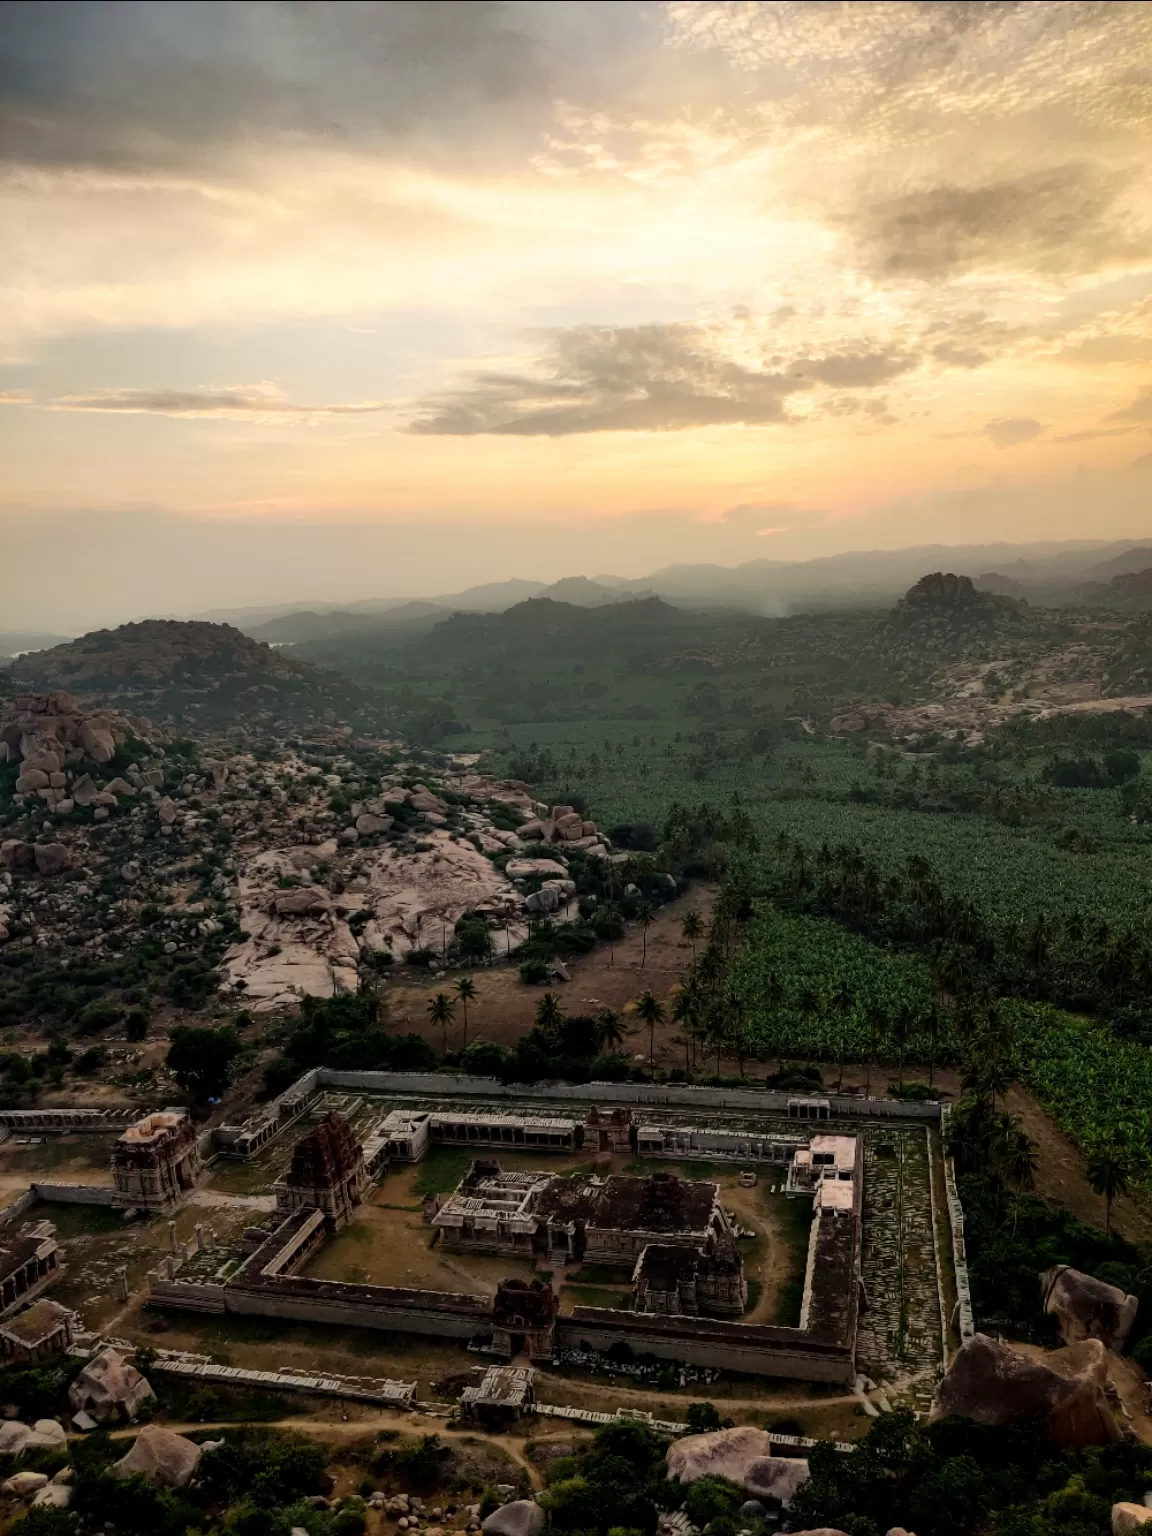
(172, 1237)
(199, 1236)
(170, 1266)
(122, 1284)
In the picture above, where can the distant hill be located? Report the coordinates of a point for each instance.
(192, 673)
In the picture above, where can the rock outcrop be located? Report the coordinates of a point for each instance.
(1087, 1308)
(108, 1389)
(522, 1517)
(743, 1456)
(161, 1457)
(995, 1385)
(1130, 1519)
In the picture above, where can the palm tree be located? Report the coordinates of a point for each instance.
(609, 1031)
(465, 991)
(549, 1014)
(650, 1009)
(611, 912)
(442, 1010)
(1109, 1169)
(691, 928)
(686, 1012)
(843, 1001)
(644, 916)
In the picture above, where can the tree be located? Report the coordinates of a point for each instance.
(465, 990)
(549, 1014)
(442, 1010)
(650, 1009)
(691, 929)
(610, 1033)
(1109, 1170)
(200, 1059)
(686, 1013)
(645, 915)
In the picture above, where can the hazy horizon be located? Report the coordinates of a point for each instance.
(340, 302)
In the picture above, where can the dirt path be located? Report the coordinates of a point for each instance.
(333, 1429)
(1061, 1176)
(504, 1007)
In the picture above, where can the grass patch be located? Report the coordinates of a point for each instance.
(793, 1226)
(700, 1171)
(594, 1296)
(601, 1274)
(86, 1220)
(442, 1169)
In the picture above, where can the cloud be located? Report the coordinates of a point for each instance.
(1010, 430)
(233, 400)
(646, 378)
(1143, 462)
(1092, 432)
(1139, 410)
(128, 84)
(1049, 220)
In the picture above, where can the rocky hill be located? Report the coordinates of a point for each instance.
(946, 616)
(190, 674)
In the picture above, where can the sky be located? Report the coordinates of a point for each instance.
(334, 301)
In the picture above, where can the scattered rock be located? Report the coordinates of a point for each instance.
(52, 858)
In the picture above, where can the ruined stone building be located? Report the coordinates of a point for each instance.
(326, 1173)
(41, 1332)
(825, 1159)
(608, 1128)
(609, 1221)
(156, 1161)
(524, 1318)
(687, 1282)
(29, 1263)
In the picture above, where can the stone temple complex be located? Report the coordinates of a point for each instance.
(681, 1295)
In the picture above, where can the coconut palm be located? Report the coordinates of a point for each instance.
(686, 1013)
(1109, 1170)
(645, 915)
(549, 1014)
(609, 1030)
(691, 929)
(442, 1010)
(650, 1009)
(465, 990)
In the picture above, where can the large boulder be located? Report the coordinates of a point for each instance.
(97, 740)
(108, 1389)
(23, 1484)
(311, 901)
(16, 1438)
(744, 1456)
(15, 854)
(523, 1517)
(52, 858)
(1087, 1308)
(1130, 1519)
(995, 1385)
(161, 1457)
(368, 823)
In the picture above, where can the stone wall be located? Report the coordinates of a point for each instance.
(682, 1095)
(742, 1347)
(75, 1194)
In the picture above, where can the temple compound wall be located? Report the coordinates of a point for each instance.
(671, 1234)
